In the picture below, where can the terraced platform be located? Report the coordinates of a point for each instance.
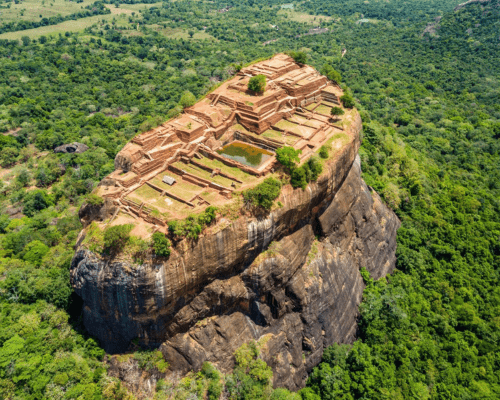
(193, 161)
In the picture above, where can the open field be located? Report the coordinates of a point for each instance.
(119, 14)
(35, 10)
(303, 17)
(180, 33)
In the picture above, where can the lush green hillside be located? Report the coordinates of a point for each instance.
(430, 104)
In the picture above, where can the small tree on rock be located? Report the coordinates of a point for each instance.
(115, 237)
(347, 100)
(161, 245)
(288, 156)
(187, 99)
(336, 112)
(257, 84)
(299, 56)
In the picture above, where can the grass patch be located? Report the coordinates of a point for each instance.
(297, 16)
(66, 26)
(185, 190)
(233, 171)
(30, 10)
(322, 109)
(276, 135)
(192, 169)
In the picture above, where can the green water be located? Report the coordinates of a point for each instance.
(245, 154)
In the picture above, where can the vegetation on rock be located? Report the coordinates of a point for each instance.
(264, 194)
(161, 244)
(257, 83)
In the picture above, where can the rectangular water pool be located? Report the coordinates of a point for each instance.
(245, 153)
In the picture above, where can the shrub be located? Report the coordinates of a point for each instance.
(336, 111)
(116, 236)
(323, 152)
(257, 84)
(299, 56)
(308, 172)
(94, 200)
(288, 156)
(298, 178)
(35, 201)
(187, 99)
(161, 244)
(264, 194)
(148, 360)
(192, 226)
(347, 100)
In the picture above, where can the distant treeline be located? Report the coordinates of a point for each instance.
(97, 8)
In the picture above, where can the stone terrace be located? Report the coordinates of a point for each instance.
(294, 110)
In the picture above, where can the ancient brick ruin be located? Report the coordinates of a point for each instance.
(177, 169)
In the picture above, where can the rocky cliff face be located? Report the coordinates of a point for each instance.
(291, 277)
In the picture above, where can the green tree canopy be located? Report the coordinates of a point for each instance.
(257, 84)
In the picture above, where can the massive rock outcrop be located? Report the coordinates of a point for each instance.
(291, 277)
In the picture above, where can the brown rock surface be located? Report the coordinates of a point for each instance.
(292, 276)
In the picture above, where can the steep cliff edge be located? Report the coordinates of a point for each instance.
(290, 278)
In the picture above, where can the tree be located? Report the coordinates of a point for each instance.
(331, 73)
(187, 99)
(8, 156)
(26, 40)
(35, 201)
(161, 245)
(264, 194)
(35, 251)
(324, 152)
(257, 84)
(191, 33)
(299, 57)
(298, 178)
(115, 237)
(288, 156)
(23, 178)
(347, 100)
(336, 111)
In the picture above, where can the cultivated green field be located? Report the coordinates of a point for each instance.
(35, 10)
(119, 14)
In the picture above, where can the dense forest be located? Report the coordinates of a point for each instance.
(426, 80)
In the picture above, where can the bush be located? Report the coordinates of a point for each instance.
(324, 152)
(94, 200)
(257, 84)
(299, 56)
(298, 178)
(117, 236)
(192, 226)
(347, 100)
(35, 201)
(264, 194)
(336, 111)
(161, 245)
(187, 99)
(288, 156)
(308, 172)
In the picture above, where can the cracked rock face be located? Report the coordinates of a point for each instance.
(291, 278)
